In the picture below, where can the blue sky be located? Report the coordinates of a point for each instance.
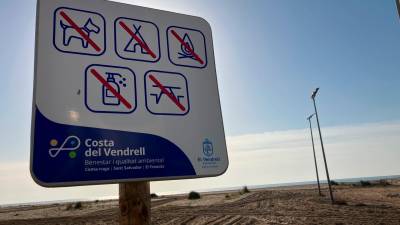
(269, 56)
(348, 48)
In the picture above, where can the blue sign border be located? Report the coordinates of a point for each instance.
(133, 59)
(187, 93)
(79, 53)
(118, 67)
(205, 48)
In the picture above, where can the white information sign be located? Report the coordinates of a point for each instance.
(123, 93)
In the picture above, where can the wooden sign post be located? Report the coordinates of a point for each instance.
(134, 203)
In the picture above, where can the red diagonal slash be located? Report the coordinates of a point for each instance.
(109, 87)
(197, 57)
(79, 30)
(141, 43)
(170, 95)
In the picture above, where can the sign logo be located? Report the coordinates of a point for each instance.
(71, 144)
(208, 149)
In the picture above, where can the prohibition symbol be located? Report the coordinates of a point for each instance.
(137, 40)
(79, 32)
(167, 93)
(187, 47)
(109, 87)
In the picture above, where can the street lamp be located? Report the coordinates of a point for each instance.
(313, 95)
(313, 148)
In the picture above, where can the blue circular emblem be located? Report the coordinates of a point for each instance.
(208, 149)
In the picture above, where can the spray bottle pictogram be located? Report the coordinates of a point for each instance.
(108, 97)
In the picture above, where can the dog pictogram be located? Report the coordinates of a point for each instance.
(70, 33)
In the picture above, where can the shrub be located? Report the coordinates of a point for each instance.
(153, 195)
(334, 183)
(244, 190)
(365, 183)
(77, 205)
(384, 183)
(194, 195)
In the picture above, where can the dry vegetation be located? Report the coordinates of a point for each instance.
(361, 203)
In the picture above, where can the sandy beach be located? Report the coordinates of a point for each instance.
(377, 203)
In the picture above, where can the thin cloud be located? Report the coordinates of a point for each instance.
(300, 138)
(255, 159)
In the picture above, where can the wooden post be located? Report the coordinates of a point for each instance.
(134, 203)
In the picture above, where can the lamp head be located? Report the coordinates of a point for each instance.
(314, 93)
(309, 118)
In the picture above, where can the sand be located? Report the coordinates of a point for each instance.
(373, 204)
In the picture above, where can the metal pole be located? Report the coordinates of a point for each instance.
(398, 6)
(323, 153)
(315, 159)
(134, 203)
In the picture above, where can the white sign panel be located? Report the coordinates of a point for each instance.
(123, 93)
